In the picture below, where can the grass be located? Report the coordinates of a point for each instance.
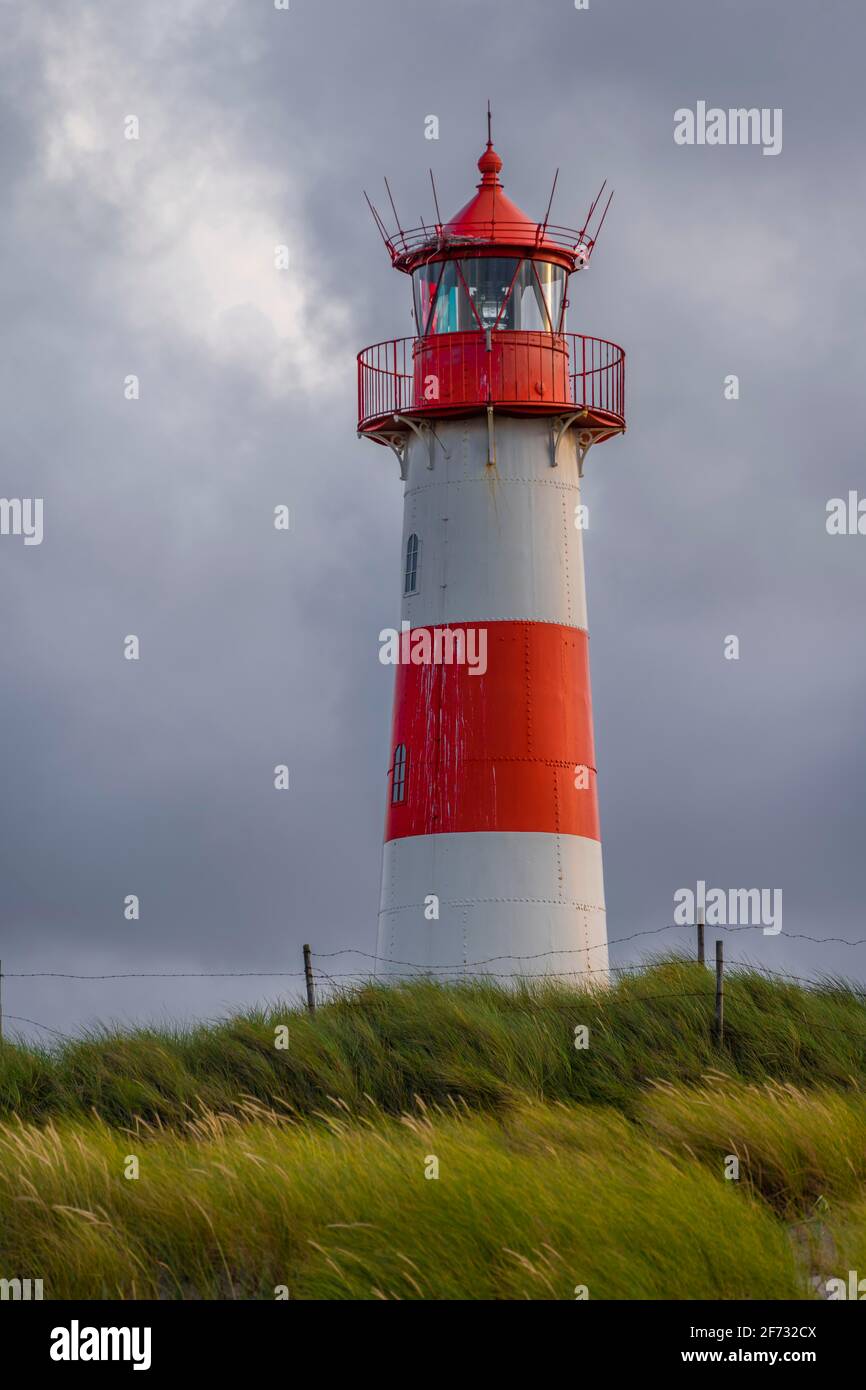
(795, 1148)
(522, 1208)
(304, 1169)
(478, 1041)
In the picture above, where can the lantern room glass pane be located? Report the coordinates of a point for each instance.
(538, 294)
(552, 280)
(487, 292)
(530, 309)
(452, 311)
(424, 283)
(489, 279)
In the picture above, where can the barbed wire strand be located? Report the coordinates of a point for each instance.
(160, 975)
(467, 972)
(642, 997)
(414, 965)
(17, 1018)
(616, 941)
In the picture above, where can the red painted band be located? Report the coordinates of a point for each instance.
(502, 750)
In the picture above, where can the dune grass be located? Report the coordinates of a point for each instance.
(522, 1208)
(483, 1043)
(795, 1148)
(306, 1168)
(848, 1244)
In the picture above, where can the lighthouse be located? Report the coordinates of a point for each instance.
(492, 856)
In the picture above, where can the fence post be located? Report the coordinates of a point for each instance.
(308, 972)
(720, 993)
(700, 924)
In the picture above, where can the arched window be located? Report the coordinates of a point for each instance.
(398, 785)
(410, 577)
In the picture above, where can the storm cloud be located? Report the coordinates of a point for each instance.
(154, 258)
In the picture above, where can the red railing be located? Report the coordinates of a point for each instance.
(412, 246)
(530, 373)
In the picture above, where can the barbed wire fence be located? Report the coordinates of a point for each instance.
(470, 971)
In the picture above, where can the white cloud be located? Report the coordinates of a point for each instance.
(195, 222)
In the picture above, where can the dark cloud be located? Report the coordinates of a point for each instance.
(156, 258)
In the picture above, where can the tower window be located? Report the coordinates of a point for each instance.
(398, 786)
(410, 578)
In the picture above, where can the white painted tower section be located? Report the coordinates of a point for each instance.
(497, 544)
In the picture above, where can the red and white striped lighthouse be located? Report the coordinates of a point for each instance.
(492, 858)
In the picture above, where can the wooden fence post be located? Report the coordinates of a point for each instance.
(720, 993)
(308, 972)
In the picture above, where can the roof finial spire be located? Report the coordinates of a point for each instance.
(490, 163)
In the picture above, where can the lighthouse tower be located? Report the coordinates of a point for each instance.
(492, 858)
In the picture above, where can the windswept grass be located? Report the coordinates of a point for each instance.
(794, 1147)
(551, 1199)
(487, 1045)
(306, 1168)
(849, 1242)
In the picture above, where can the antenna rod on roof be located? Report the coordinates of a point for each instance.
(435, 200)
(393, 209)
(377, 219)
(550, 202)
(592, 207)
(603, 216)
(597, 198)
(489, 124)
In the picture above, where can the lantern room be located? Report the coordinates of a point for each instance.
(464, 294)
(490, 298)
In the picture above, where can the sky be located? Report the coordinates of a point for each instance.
(154, 257)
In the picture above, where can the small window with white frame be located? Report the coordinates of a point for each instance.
(398, 784)
(410, 573)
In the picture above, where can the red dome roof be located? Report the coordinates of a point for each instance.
(489, 224)
(490, 215)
